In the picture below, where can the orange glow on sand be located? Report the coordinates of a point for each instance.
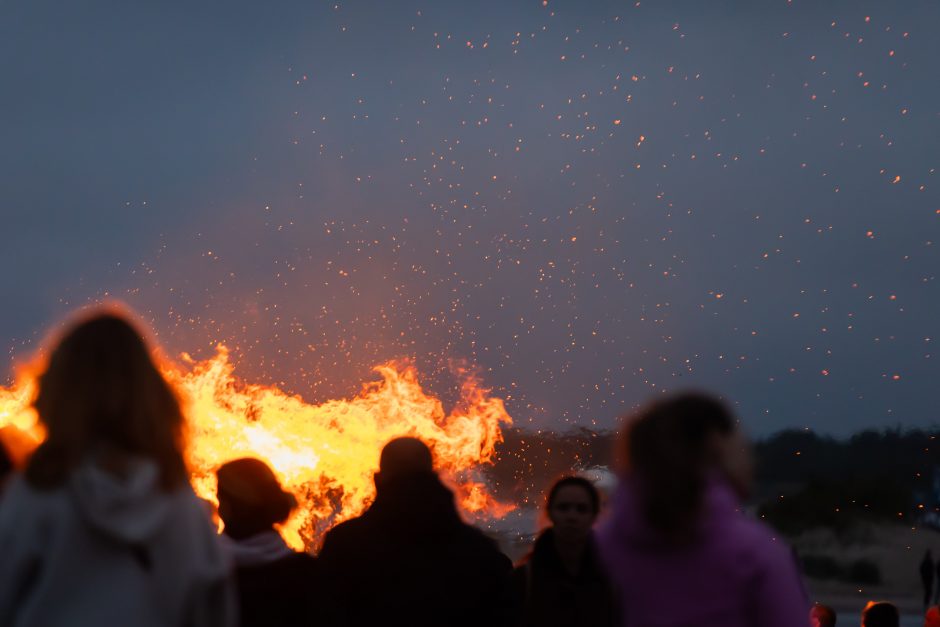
(325, 454)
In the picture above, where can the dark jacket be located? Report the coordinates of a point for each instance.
(285, 592)
(410, 560)
(550, 596)
(926, 569)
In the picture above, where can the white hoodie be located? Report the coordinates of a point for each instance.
(103, 550)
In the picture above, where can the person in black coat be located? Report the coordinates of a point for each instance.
(936, 594)
(276, 586)
(926, 576)
(562, 583)
(409, 559)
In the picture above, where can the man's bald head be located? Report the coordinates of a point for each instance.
(404, 456)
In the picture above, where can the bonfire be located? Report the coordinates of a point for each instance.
(325, 453)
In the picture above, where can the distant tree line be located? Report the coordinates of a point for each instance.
(804, 479)
(807, 480)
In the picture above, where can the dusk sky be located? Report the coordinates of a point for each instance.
(590, 202)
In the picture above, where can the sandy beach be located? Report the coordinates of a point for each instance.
(896, 549)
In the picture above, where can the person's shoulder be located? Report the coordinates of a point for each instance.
(346, 536)
(751, 531)
(475, 536)
(348, 528)
(190, 529)
(302, 562)
(760, 545)
(485, 548)
(296, 567)
(18, 487)
(187, 508)
(22, 500)
(303, 569)
(31, 518)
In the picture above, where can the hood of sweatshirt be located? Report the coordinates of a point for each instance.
(129, 508)
(261, 548)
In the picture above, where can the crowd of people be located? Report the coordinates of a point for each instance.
(101, 527)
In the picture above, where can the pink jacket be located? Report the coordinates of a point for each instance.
(737, 575)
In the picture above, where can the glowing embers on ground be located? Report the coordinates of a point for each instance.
(326, 454)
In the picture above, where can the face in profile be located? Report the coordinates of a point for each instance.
(572, 513)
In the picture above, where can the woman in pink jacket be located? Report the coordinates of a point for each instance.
(679, 549)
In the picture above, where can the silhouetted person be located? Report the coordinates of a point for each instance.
(926, 576)
(822, 616)
(679, 549)
(409, 559)
(880, 614)
(276, 586)
(103, 528)
(936, 593)
(562, 582)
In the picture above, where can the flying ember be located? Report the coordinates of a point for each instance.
(326, 454)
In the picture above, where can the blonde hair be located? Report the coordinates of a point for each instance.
(102, 387)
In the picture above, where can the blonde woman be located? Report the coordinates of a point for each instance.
(103, 527)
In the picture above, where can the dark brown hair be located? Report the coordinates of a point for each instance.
(824, 614)
(667, 452)
(580, 482)
(254, 495)
(101, 387)
(880, 614)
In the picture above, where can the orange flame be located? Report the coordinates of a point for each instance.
(325, 454)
